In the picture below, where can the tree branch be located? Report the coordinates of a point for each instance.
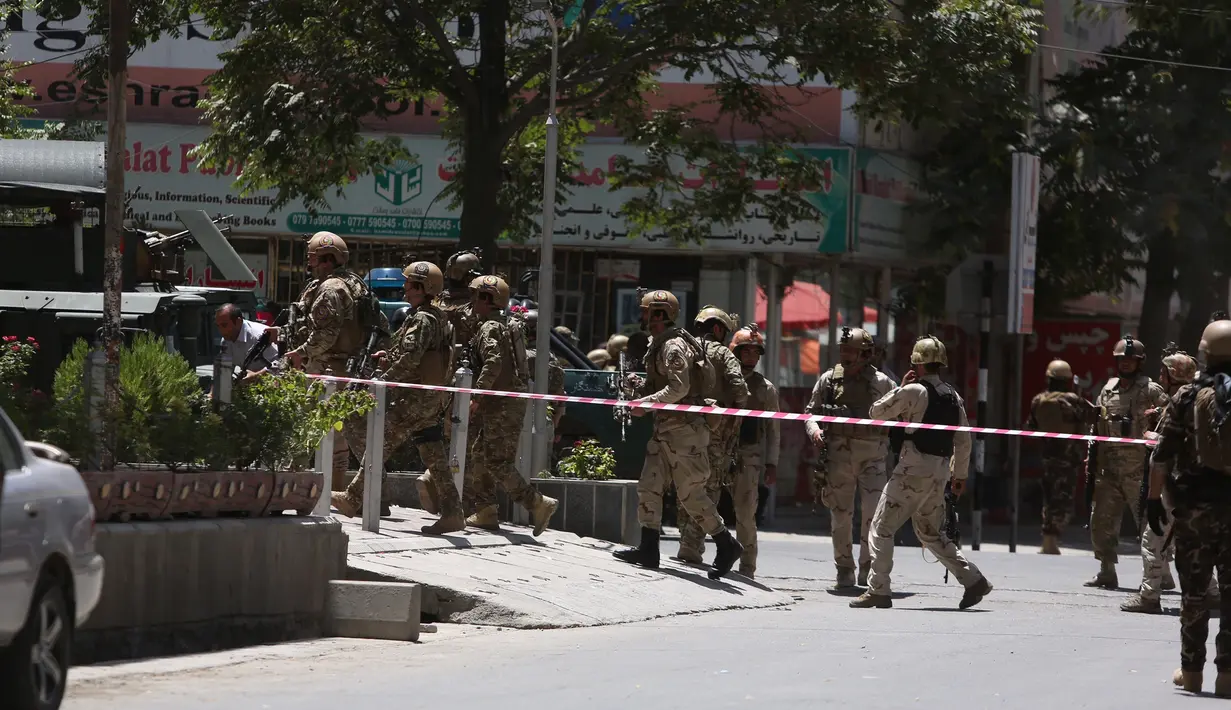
(466, 90)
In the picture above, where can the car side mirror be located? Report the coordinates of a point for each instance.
(49, 452)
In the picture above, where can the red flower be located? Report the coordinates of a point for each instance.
(10, 338)
(31, 340)
(15, 348)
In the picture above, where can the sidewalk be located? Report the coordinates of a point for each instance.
(556, 580)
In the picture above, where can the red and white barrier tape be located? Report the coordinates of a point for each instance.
(756, 413)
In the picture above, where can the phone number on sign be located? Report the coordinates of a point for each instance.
(374, 225)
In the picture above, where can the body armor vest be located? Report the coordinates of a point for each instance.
(351, 337)
(943, 408)
(855, 394)
(1213, 441)
(1121, 411)
(1059, 412)
(436, 364)
(701, 372)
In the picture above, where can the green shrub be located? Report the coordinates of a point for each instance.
(589, 461)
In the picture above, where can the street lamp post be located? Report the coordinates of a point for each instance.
(540, 445)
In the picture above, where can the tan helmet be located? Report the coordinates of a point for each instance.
(929, 350)
(566, 333)
(1130, 347)
(599, 357)
(661, 301)
(1059, 370)
(463, 263)
(326, 244)
(617, 344)
(1216, 343)
(709, 313)
(857, 338)
(1181, 368)
(748, 337)
(493, 286)
(426, 273)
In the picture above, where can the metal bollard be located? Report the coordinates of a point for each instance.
(374, 461)
(460, 418)
(525, 456)
(324, 458)
(224, 378)
(92, 384)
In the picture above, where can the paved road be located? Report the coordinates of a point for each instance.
(1039, 640)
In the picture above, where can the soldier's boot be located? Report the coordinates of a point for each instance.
(1106, 578)
(1188, 680)
(746, 571)
(485, 518)
(1051, 545)
(427, 501)
(868, 600)
(975, 593)
(645, 554)
(727, 555)
(1222, 684)
(845, 579)
(346, 503)
(446, 524)
(542, 511)
(864, 569)
(1138, 604)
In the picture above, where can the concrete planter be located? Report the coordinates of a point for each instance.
(153, 494)
(191, 586)
(606, 510)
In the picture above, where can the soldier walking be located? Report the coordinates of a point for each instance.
(856, 454)
(758, 445)
(1122, 412)
(1060, 410)
(331, 332)
(421, 353)
(500, 355)
(713, 325)
(1190, 472)
(677, 372)
(916, 490)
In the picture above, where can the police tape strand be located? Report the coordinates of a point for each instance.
(728, 411)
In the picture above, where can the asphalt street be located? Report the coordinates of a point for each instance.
(1039, 640)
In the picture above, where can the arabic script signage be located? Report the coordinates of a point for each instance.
(200, 271)
(885, 186)
(162, 175)
(1085, 345)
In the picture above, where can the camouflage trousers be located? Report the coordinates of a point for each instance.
(336, 365)
(408, 413)
(493, 456)
(720, 452)
(1117, 485)
(915, 491)
(1155, 563)
(745, 495)
(677, 453)
(1058, 481)
(855, 465)
(1202, 522)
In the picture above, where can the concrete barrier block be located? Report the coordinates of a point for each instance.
(373, 610)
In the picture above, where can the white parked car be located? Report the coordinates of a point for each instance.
(50, 575)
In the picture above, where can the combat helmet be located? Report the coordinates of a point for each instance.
(1130, 347)
(329, 244)
(495, 288)
(1181, 367)
(463, 264)
(427, 274)
(709, 313)
(748, 337)
(1059, 370)
(599, 356)
(929, 350)
(1215, 347)
(617, 344)
(856, 338)
(660, 300)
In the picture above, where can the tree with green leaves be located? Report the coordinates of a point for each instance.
(306, 79)
(11, 90)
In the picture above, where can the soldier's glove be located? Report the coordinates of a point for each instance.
(1156, 516)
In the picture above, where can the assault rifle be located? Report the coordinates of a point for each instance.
(951, 529)
(622, 414)
(1091, 470)
(286, 322)
(360, 365)
(256, 353)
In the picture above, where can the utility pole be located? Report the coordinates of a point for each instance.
(113, 267)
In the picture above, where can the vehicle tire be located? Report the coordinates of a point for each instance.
(34, 669)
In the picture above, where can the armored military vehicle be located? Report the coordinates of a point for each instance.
(388, 284)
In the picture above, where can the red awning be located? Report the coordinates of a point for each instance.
(805, 305)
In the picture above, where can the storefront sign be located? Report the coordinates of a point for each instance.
(405, 202)
(1085, 345)
(885, 187)
(199, 271)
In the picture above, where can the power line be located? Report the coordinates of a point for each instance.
(1146, 60)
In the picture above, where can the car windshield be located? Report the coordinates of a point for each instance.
(388, 293)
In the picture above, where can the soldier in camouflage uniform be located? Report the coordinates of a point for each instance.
(1060, 410)
(329, 333)
(499, 350)
(1178, 369)
(454, 302)
(1122, 412)
(555, 373)
(758, 445)
(421, 351)
(714, 326)
(856, 454)
(1190, 473)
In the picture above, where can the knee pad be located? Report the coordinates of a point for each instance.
(429, 435)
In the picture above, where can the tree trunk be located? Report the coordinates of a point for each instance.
(1156, 301)
(482, 219)
(113, 234)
